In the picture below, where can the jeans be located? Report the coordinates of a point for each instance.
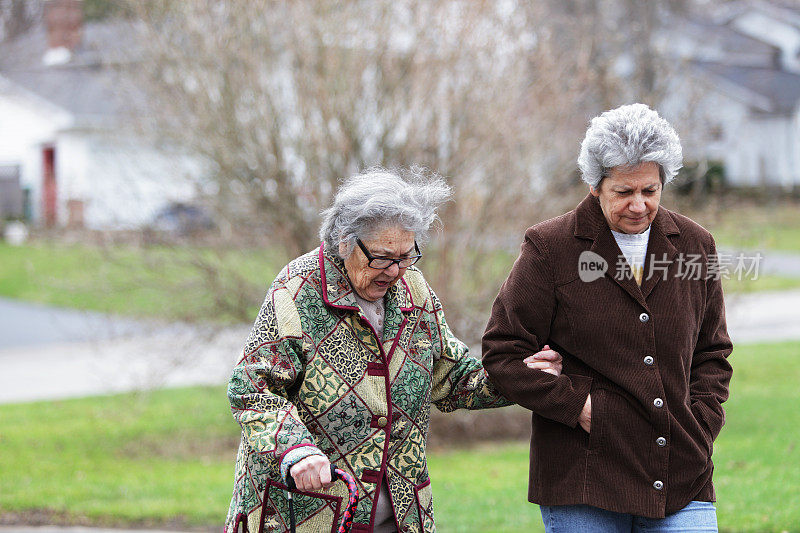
(695, 517)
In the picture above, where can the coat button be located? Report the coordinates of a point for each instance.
(658, 485)
(644, 317)
(648, 360)
(658, 402)
(661, 441)
(382, 421)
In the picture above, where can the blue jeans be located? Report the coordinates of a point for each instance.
(695, 517)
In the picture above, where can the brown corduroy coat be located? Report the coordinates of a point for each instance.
(654, 359)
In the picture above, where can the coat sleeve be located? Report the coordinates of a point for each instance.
(519, 326)
(258, 390)
(459, 380)
(711, 372)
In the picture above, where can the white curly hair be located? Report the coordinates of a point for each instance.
(628, 136)
(378, 198)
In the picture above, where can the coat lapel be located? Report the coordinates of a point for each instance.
(660, 251)
(398, 302)
(337, 292)
(590, 223)
(336, 289)
(618, 270)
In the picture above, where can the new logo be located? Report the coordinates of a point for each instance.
(591, 266)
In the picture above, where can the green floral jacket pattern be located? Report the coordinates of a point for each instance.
(314, 374)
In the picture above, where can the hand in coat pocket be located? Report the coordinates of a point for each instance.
(585, 418)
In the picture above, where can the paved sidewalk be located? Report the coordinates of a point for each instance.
(183, 355)
(775, 262)
(51, 353)
(170, 357)
(763, 317)
(30, 324)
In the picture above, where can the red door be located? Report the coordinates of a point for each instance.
(49, 186)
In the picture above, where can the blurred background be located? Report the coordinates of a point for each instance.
(161, 160)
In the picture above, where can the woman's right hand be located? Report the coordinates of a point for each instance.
(312, 473)
(585, 418)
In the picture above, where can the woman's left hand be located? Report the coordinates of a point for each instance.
(547, 361)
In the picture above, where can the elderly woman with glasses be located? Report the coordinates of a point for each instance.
(348, 353)
(622, 439)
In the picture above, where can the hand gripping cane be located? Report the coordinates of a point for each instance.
(352, 489)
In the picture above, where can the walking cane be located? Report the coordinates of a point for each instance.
(352, 502)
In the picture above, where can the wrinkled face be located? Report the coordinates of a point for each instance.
(371, 283)
(629, 197)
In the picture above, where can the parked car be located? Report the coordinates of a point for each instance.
(183, 219)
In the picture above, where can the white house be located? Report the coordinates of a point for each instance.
(63, 127)
(64, 115)
(743, 82)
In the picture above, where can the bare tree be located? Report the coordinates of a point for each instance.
(18, 16)
(283, 99)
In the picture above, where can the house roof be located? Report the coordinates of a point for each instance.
(88, 85)
(775, 91)
(787, 11)
(714, 42)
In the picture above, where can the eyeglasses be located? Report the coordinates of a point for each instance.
(381, 263)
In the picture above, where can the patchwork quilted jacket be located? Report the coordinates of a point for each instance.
(314, 376)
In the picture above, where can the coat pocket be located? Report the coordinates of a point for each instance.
(598, 418)
(618, 421)
(702, 427)
(425, 505)
(313, 511)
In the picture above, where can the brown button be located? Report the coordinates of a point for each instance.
(382, 421)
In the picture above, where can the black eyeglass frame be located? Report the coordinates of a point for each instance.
(371, 258)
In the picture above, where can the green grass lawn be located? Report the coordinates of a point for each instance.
(165, 458)
(154, 282)
(204, 284)
(761, 284)
(754, 227)
(150, 458)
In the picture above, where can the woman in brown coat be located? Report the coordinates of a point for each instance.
(629, 293)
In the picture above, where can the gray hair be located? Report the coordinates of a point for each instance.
(379, 198)
(628, 136)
